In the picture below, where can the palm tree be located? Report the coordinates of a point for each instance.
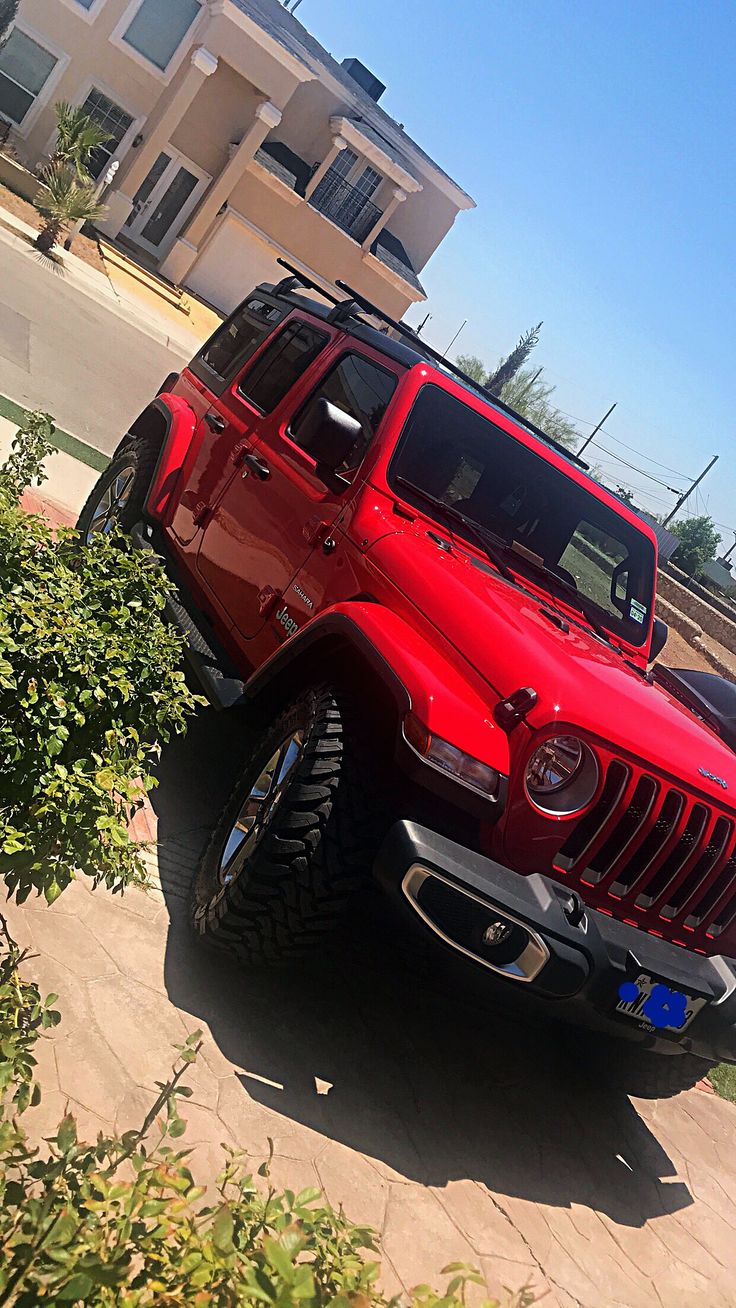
(68, 200)
(77, 137)
(8, 10)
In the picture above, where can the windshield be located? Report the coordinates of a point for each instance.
(463, 459)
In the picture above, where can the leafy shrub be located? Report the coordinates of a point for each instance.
(90, 683)
(22, 1016)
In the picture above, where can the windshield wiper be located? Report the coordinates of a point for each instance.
(488, 542)
(494, 547)
(567, 589)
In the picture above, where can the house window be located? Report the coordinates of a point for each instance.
(368, 182)
(114, 121)
(336, 174)
(159, 27)
(25, 67)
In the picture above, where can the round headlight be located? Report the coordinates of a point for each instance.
(554, 765)
(561, 775)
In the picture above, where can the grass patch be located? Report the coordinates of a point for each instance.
(723, 1080)
(61, 439)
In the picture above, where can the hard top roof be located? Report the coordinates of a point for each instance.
(408, 349)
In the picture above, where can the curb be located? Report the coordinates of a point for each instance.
(82, 281)
(62, 440)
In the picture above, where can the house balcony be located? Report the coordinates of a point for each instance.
(345, 206)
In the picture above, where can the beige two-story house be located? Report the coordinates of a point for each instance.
(238, 140)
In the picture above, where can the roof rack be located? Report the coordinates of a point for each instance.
(344, 310)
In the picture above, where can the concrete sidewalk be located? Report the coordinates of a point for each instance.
(127, 291)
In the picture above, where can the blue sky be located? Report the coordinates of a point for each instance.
(598, 140)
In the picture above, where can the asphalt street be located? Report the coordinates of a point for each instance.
(63, 352)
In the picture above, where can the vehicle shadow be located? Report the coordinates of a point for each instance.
(424, 1074)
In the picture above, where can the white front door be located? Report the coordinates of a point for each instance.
(164, 201)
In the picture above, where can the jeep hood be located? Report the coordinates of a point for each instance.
(580, 680)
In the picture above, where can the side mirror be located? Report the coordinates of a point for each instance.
(660, 632)
(329, 436)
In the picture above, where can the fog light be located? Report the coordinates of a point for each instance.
(497, 933)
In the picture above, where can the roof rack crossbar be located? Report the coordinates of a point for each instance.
(298, 278)
(410, 334)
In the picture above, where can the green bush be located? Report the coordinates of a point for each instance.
(90, 683)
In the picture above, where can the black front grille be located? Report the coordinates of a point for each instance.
(655, 854)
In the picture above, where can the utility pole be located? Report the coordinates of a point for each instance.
(423, 324)
(730, 552)
(689, 492)
(529, 384)
(595, 430)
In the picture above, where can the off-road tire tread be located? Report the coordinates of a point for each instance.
(145, 454)
(317, 852)
(647, 1075)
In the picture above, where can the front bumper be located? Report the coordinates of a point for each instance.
(556, 950)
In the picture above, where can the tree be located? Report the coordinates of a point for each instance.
(698, 543)
(473, 367)
(8, 10)
(67, 199)
(77, 138)
(508, 368)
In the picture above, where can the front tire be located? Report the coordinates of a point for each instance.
(116, 500)
(647, 1075)
(295, 839)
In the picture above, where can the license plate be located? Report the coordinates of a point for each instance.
(657, 1006)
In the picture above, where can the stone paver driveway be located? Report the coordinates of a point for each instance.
(458, 1134)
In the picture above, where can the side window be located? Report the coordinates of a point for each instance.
(239, 337)
(358, 387)
(282, 363)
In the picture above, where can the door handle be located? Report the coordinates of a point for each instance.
(215, 422)
(256, 465)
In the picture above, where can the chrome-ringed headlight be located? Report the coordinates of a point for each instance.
(561, 776)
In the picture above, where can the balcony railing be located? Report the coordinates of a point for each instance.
(345, 206)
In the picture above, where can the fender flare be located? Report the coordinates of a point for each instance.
(450, 701)
(179, 425)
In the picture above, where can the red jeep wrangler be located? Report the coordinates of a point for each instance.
(442, 628)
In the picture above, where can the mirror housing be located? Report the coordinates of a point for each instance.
(329, 435)
(660, 632)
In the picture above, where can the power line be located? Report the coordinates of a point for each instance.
(587, 423)
(673, 489)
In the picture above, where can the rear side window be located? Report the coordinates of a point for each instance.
(358, 387)
(240, 336)
(281, 365)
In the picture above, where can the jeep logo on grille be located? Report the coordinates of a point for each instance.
(712, 777)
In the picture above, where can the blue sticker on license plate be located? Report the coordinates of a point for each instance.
(655, 1005)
